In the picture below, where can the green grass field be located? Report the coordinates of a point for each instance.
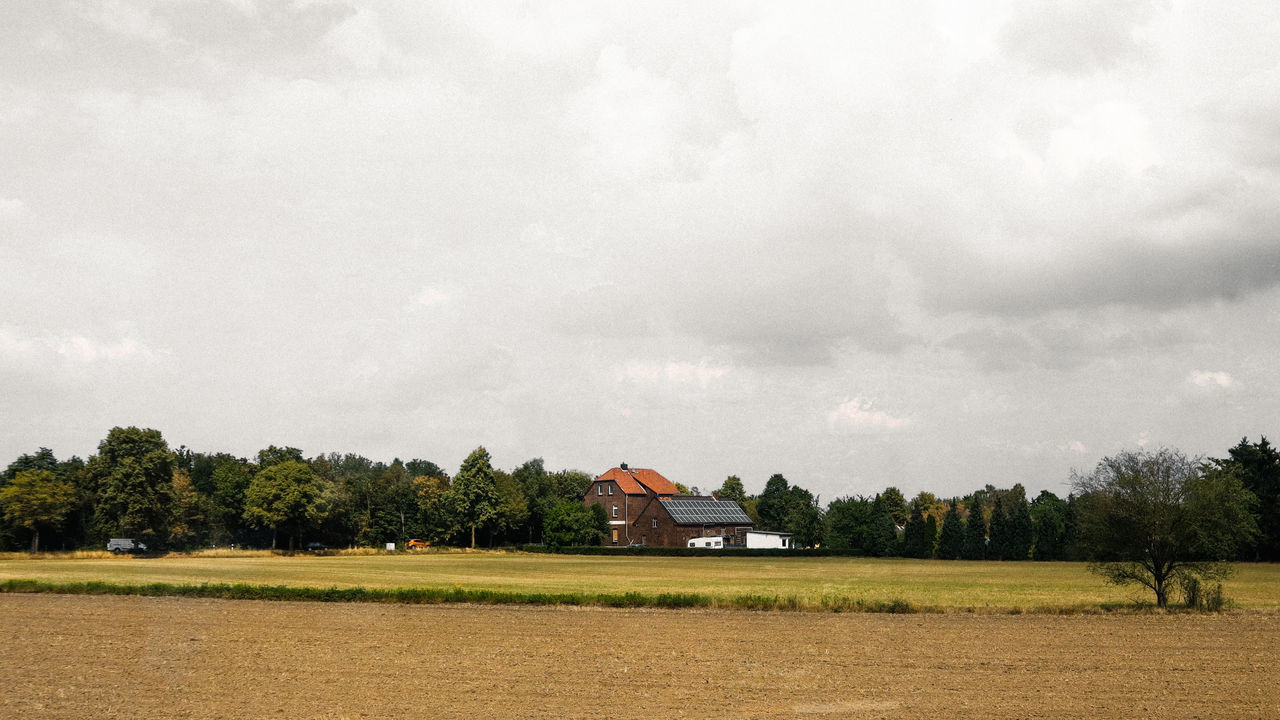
(927, 584)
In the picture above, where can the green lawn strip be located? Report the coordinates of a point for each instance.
(419, 596)
(429, 596)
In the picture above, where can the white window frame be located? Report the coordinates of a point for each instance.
(615, 509)
(599, 488)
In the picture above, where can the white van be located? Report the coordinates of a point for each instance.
(125, 545)
(707, 542)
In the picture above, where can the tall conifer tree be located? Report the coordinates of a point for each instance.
(975, 532)
(951, 542)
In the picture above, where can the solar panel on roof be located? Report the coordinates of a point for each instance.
(706, 512)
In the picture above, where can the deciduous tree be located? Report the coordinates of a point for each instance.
(732, 489)
(35, 499)
(804, 522)
(570, 524)
(893, 502)
(473, 494)
(133, 474)
(774, 503)
(539, 493)
(286, 496)
(512, 510)
(1049, 520)
(1258, 466)
(230, 480)
(189, 524)
(273, 455)
(1153, 518)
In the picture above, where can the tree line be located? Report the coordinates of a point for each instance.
(137, 486)
(1236, 498)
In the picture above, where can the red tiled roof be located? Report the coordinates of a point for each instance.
(633, 481)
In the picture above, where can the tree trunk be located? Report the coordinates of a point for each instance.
(273, 538)
(1162, 591)
(35, 540)
(473, 537)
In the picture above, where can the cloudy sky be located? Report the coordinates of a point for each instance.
(934, 245)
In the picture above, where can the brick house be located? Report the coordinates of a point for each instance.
(645, 508)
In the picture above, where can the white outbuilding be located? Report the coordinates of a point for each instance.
(768, 540)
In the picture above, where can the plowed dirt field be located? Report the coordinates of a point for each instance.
(133, 657)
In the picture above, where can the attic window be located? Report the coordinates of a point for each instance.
(610, 488)
(599, 489)
(655, 522)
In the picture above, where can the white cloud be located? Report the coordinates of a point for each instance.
(433, 295)
(17, 345)
(1074, 446)
(1077, 38)
(631, 115)
(126, 19)
(703, 373)
(86, 350)
(1210, 379)
(541, 32)
(360, 39)
(13, 345)
(860, 414)
(1112, 134)
(11, 209)
(248, 8)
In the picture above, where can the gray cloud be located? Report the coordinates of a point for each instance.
(1076, 38)
(861, 245)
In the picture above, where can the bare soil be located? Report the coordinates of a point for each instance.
(130, 657)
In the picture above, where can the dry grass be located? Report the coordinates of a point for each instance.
(804, 583)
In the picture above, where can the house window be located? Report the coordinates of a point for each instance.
(615, 510)
(615, 533)
(655, 522)
(644, 539)
(600, 489)
(610, 488)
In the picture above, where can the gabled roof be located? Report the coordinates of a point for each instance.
(633, 481)
(706, 511)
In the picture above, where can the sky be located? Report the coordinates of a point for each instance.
(934, 245)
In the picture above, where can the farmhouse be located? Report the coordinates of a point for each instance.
(645, 508)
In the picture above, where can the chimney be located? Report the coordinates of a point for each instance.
(623, 466)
